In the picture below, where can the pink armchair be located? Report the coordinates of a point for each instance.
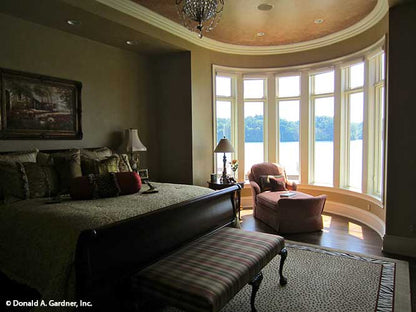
(263, 169)
(299, 213)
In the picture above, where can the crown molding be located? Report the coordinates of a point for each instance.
(144, 14)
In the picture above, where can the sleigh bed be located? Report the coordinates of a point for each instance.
(85, 249)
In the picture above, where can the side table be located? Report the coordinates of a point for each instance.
(220, 186)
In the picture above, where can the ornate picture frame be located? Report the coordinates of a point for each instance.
(39, 107)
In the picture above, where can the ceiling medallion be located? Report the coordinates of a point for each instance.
(199, 16)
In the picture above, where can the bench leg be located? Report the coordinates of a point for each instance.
(255, 283)
(283, 255)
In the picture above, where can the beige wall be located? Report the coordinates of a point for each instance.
(171, 108)
(114, 81)
(401, 161)
(202, 61)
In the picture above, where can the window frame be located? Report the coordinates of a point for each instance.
(277, 101)
(372, 168)
(312, 101)
(233, 100)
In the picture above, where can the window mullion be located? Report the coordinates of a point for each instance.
(270, 139)
(337, 127)
(367, 138)
(240, 124)
(304, 138)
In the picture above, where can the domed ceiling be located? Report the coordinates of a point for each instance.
(277, 22)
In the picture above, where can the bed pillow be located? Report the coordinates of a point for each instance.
(13, 181)
(129, 182)
(105, 185)
(42, 180)
(94, 186)
(265, 184)
(26, 156)
(97, 166)
(97, 153)
(277, 184)
(124, 163)
(68, 166)
(44, 159)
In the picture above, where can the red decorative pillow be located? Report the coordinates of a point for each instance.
(81, 188)
(277, 184)
(106, 185)
(129, 182)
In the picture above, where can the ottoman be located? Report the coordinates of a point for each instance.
(206, 273)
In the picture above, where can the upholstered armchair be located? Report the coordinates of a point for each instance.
(264, 169)
(298, 213)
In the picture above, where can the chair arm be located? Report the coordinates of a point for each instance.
(255, 190)
(255, 187)
(291, 185)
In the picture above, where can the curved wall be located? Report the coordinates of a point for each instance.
(202, 115)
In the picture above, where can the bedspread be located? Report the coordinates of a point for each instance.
(38, 239)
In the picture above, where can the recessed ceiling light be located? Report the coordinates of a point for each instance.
(319, 21)
(132, 42)
(260, 34)
(73, 22)
(265, 7)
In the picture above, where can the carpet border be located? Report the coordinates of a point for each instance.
(400, 297)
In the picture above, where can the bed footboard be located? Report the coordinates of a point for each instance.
(106, 255)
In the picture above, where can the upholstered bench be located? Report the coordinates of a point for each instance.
(206, 273)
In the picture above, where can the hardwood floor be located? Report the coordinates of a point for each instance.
(340, 233)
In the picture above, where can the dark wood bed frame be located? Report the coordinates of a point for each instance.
(107, 256)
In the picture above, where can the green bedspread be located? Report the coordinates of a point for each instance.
(38, 239)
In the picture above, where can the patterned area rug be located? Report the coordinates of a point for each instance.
(327, 280)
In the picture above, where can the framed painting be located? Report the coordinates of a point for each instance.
(39, 107)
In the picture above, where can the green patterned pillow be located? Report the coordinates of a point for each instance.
(43, 180)
(95, 166)
(124, 163)
(13, 181)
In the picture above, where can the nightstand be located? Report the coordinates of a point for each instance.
(220, 186)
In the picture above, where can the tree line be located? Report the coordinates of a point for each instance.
(289, 130)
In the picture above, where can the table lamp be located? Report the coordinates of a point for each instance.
(224, 146)
(131, 145)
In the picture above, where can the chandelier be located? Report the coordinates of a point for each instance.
(200, 15)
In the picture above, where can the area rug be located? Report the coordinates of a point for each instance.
(328, 280)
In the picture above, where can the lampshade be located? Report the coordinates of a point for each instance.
(132, 142)
(224, 146)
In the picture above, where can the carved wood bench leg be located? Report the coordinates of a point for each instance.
(255, 283)
(283, 255)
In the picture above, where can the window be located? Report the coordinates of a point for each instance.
(324, 123)
(354, 116)
(223, 116)
(322, 101)
(288, 101)
(254, 98)
(376, 116)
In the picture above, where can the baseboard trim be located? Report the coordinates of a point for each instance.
(399, 245)
(363, 216)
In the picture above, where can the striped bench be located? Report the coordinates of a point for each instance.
(208, 272)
